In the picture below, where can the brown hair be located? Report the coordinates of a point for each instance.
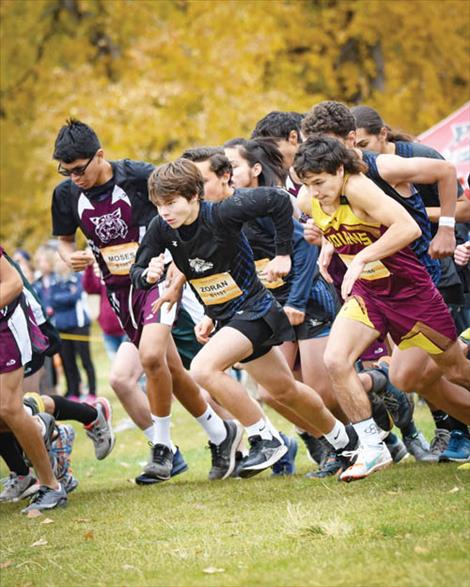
(177, 178)
(329, 117)
(371, 121)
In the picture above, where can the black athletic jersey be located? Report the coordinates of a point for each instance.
(113, 217)
(214, 254)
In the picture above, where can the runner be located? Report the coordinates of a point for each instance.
(386, 288)
(206, 243)
(108, 201)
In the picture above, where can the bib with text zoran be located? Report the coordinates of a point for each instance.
(372, 270)
(216, 289)
(119, 258)
(260, 266)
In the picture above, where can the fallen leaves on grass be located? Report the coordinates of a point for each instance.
(464, 467)
(40, 542)
(47, 521)
(421, 550)
(82, 520)
(89, 535)
(33, 514)
(6, 564)
(212, 570)
(455, 489)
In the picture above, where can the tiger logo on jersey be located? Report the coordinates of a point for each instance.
(110, 226)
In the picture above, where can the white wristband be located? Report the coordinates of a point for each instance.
(447, 221)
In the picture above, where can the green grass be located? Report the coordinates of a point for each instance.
(406, 526)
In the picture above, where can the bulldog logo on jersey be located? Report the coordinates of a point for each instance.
(199, 265)
(110, 226)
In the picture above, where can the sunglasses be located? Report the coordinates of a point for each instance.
(77, 171)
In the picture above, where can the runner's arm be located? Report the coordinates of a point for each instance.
(304, 261)
(150, 247)
(10, 281)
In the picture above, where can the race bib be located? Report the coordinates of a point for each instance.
(119, 258)
(373, 270)
(216, 289)
(260, 266)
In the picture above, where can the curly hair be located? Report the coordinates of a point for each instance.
(329, 117)
(325, 154)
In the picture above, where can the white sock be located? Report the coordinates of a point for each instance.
(260, 428)
(274, 431)
(162, 431)
(150, 432)
(213, 425)
(338, 437)
(368, 432)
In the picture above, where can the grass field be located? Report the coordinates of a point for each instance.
(406, 526)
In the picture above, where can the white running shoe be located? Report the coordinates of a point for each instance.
(100, 431)
(368, 459)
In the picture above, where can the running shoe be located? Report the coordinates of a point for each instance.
(47, 499)
(161, 462)
(61, 450)
(317, 448)
(439, 443)
(398, 403)
(368, 459)
(34, 402)
(396, 447)
(458, 449)
(69, 483)
(18, 487)
(49, 428)
(263, 454)
(100, 431)
(286, 465)
(330, 466)
(179, 466)
(223, 454)
(380, 413)
(419, 448)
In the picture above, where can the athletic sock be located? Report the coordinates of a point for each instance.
(68, 410)
(446, 422)
(162, 431)
(338, 437)
(213, 425)
(12, 454)
(150, 432)
(368, 433)
(410, 430)
(274, 431)
(260, 428)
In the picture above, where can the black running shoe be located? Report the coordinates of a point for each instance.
(263, 454)
(160, 464)
(317, 448)
(223, 454)
(331, 465)
(398, 403)
(380, 413)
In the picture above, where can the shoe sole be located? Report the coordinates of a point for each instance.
(60, 504)
(246, 473)
(146, 480)
(374, 469)
(454, 460)
(109, 414)
(233, 450)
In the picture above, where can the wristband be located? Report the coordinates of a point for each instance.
(447, 221)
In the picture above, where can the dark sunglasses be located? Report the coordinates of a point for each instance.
(77, 171)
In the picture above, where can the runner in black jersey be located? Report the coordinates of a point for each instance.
(412, 370)
(108, 201)
(208, 247)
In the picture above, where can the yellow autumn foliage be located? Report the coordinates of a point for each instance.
(154, 77)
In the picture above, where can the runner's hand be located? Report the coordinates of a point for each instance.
(462, 254)
(296, 317)
(324, 260)
(155, 269)
(79, 260)
(443, 244)
(351, 276)
(171, 296)
(203, 329)
(277, 267)
(312, 234)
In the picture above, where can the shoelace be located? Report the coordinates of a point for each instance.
(215, 452)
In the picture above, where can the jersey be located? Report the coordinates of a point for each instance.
(113, 217)
(214, 254)
(415, 207)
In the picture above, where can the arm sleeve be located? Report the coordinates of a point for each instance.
(249, 204)
(303, 270)
(151, 246)
(63, 218)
